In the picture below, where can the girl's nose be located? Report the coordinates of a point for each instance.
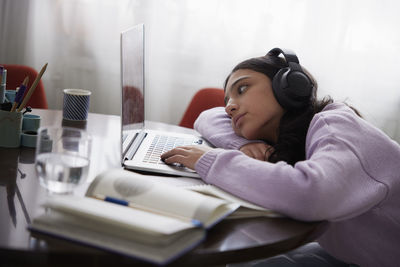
(230, 108)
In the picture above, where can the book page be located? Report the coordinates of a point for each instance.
(92, 211)
(246, 210)
(212, 190)
(159, 197)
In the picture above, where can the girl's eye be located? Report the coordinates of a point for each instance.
(241, 89)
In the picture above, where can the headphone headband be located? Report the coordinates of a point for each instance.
(289, 55)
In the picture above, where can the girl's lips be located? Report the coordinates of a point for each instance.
(237, 120)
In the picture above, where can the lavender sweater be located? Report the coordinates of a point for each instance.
(350, 177)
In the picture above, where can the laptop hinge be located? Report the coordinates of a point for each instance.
(127, 142)
(135, 145)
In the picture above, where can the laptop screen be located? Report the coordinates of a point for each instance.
(132, 72)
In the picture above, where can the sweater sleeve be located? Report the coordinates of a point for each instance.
(330, 185)
(215, 126)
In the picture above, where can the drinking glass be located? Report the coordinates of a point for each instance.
(62, 158)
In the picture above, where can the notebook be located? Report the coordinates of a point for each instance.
(141, 148)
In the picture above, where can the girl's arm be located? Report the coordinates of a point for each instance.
(332, 185)
(215, 125)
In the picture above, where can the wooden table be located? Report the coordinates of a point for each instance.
(20, 197)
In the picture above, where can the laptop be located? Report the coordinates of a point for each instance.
(141, 147)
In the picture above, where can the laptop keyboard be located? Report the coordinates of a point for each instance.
(163, 143)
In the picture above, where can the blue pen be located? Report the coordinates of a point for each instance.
(116, 201)
(122, 202)
(1, 73)
(18, 97)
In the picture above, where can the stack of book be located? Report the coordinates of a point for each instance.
(134, 215)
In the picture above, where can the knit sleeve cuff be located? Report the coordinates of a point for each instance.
(204, 163)
(237, 144)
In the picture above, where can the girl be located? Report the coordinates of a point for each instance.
(281, 148)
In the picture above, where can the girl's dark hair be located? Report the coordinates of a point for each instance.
(290, 146)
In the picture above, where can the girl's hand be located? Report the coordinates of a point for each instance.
(186, 155)
(260, 151)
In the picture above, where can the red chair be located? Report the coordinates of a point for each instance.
(204, 99)
(16, 75)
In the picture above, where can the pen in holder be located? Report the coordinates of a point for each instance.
(10, 128)
(3, 79)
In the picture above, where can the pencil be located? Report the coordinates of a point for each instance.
(20, 93)
(26, 81)
(32, 89)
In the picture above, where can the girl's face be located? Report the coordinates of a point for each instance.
(252, 106)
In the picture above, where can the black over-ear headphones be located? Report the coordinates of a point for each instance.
(292, 87)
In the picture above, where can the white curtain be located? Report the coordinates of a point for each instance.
(351, 47)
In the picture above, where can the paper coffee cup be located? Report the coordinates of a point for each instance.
(76, 104)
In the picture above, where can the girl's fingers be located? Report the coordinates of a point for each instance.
(175, 151)
(174, 159)
(269, 150)
(187, 156)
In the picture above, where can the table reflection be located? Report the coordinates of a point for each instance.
(14, 165)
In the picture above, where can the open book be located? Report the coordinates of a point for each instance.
(128, 213)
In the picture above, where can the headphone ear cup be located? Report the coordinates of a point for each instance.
(277, 84)
(292, 89)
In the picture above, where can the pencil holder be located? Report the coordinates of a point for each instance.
(10, 128)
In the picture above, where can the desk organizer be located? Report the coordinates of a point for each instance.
(17, 129)
(10, 128)
(28, 138)
(30, 126)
